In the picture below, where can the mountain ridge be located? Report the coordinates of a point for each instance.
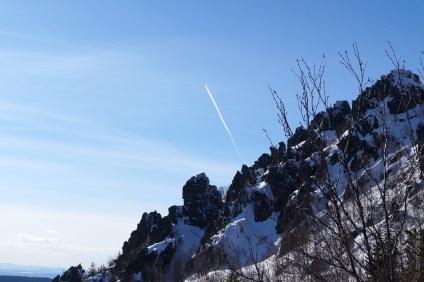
(284, 193)
(10, 269)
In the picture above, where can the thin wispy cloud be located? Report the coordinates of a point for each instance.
(119, 155)
(25, 238)
(51, 232)
(30, 164)
(92, 143)
(49, 41)
(36, 112)
(30, 37)
(69, 65)
(26, 241)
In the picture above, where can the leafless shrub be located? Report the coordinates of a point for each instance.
(357, 234)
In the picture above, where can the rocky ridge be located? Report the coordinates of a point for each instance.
(266, 197)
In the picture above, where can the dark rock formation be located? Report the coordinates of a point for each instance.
(285, 179)
(263, 206)
(263, 161)
(367, 124)
(151, 229)
(299, 136)
(295, 209)
(73, 274)
(236, 191)
(350, 145)
(339, 114)
(406, 94)
(151, 264)
(201, 201)
(174, 213)
(420, 145)
(399, 85)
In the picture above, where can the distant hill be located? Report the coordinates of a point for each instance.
(28, 271)
(23, 279)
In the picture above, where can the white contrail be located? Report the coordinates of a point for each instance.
(222, 119)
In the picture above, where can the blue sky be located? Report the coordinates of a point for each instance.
(104, 114)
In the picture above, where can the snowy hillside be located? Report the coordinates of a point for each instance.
(341, 201)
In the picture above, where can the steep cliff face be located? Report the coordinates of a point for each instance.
(280, 190)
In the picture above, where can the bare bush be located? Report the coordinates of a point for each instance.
(356, 230)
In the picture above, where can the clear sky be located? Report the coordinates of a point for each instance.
(104, 113)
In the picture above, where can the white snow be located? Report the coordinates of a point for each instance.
(402, 78)
(243, 233)
(104, 277)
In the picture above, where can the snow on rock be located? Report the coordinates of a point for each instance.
(402, 78)
(264, 188)
(160, 247)
(187, 237)
(101, 277)
(246, 239)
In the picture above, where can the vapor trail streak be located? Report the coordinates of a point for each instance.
(222, 119)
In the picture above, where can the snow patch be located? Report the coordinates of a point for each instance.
(402, 78)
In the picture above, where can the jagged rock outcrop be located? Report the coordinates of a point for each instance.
(339, 115)
(201, 201)
(402, 86)
(236, 191)
(333, 118)
(262, 205)
(135, 256)
(73, 274)
(408, 94)
(202, 204)
(300, 135)
(263, 161)
(151, 229)
(151, 263)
